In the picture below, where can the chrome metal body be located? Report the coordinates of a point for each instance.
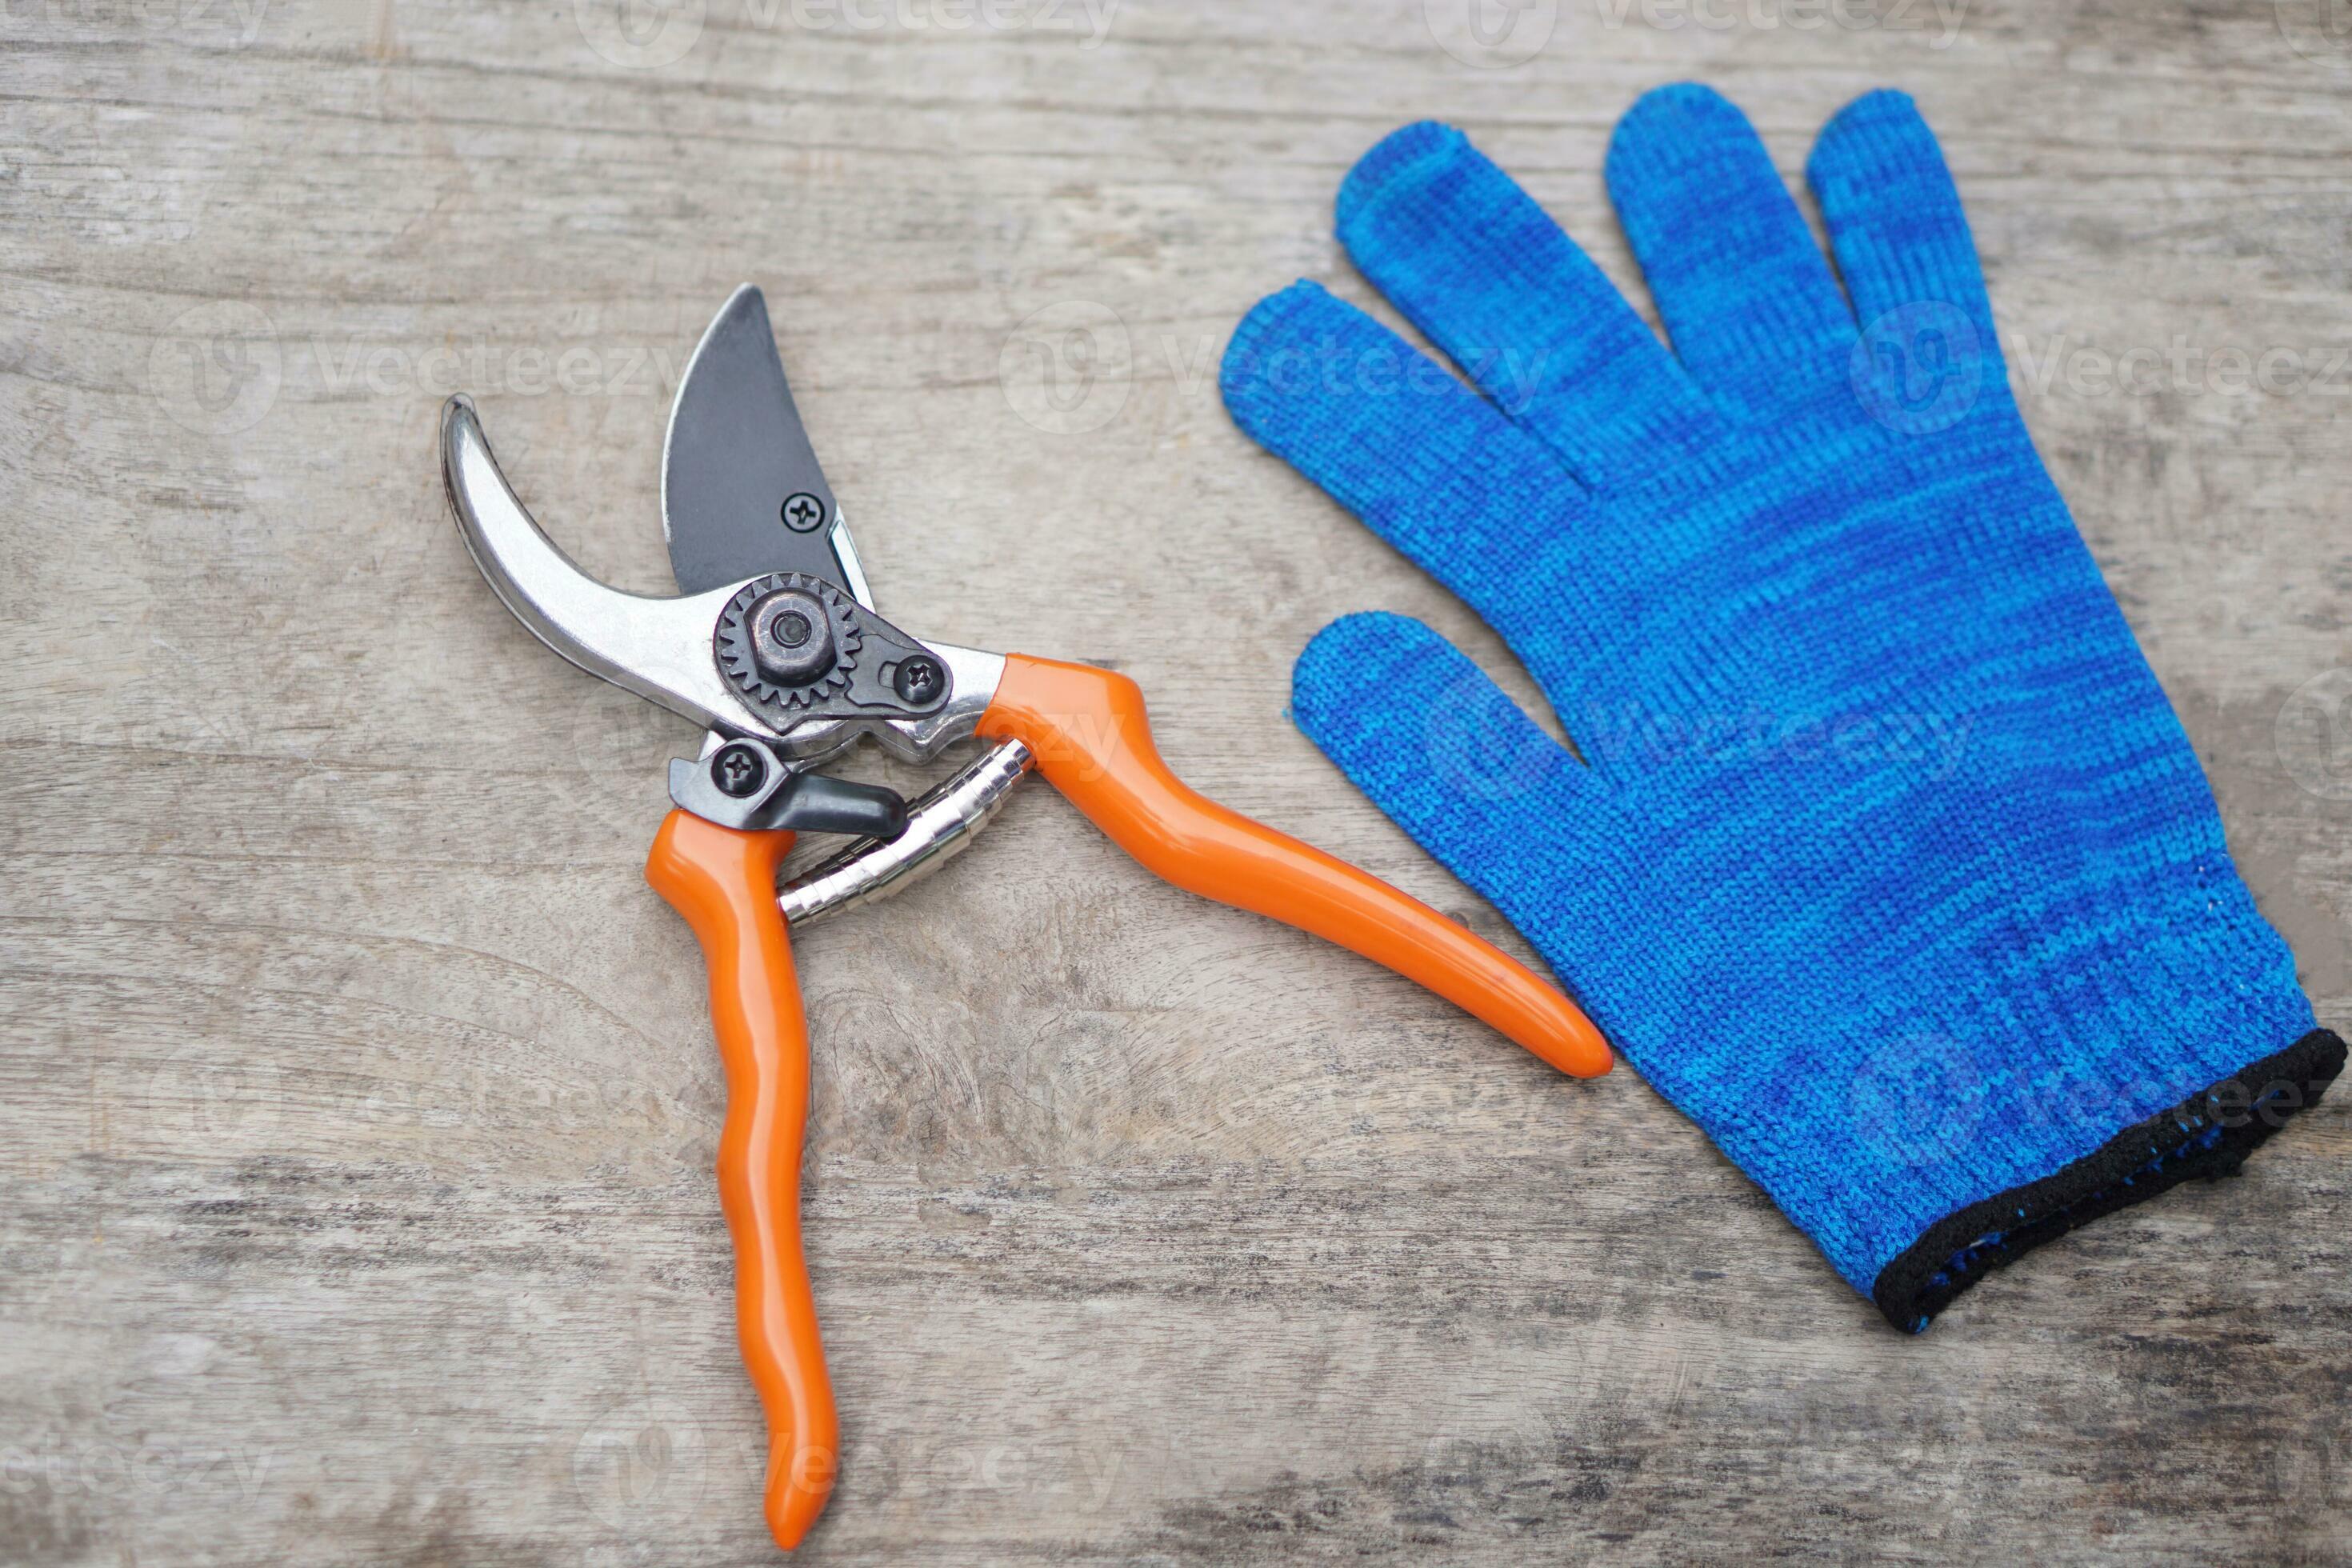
(941, 826)
(660, 647)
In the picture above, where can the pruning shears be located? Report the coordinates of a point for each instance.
(775, 647)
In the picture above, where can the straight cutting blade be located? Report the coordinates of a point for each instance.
(742, 491)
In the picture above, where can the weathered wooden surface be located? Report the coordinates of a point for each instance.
(355, 1191)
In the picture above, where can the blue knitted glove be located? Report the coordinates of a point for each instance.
(1885, 859)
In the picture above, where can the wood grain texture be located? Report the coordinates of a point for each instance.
(356, 1202)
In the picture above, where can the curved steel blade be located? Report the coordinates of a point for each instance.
(742, 491)
(660, 649)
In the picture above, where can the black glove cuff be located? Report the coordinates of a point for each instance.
(2207, 1134)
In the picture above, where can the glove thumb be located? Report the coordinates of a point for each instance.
(1455, 764)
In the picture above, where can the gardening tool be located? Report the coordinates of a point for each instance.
(774, 645)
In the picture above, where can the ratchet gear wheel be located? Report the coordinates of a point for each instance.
(788, 639)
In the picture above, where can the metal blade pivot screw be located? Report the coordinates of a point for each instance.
(792, 638)
(921, 678)
(739, 770)
(803, 511)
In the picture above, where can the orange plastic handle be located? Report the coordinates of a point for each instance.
(724, 882)
(1088, 729)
